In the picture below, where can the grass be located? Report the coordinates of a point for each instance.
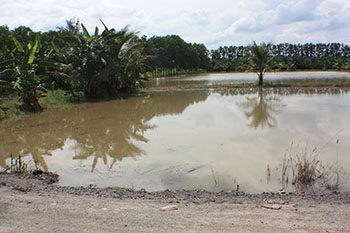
(17, 165)
(55, 98)
(52, 99)
(12, 105)
(303, 169)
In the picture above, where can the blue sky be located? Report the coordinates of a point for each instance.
(214, 23)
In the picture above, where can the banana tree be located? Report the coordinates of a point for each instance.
(260, 59)
(107, 63)
(25, 71)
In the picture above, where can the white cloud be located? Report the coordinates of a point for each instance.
(214, 23)
(295, 11)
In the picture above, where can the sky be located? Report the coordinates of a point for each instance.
(211, 22)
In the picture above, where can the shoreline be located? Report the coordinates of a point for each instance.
(46, 182)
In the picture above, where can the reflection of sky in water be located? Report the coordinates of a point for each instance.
(197, 139)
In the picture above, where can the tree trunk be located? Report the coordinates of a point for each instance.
(261, 79)
(31, 102)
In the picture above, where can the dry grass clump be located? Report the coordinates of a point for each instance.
(303, 169)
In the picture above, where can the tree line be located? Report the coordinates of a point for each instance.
(309, 56)
(112, 63)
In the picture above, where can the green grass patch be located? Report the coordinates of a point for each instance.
(11, 107)
(54, 99)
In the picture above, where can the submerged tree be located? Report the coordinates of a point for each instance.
(260, 59)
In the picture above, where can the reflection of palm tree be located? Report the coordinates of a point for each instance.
(261, 109)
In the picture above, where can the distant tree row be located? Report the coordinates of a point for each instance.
(320, 56)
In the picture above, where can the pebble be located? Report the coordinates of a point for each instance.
(170, 207)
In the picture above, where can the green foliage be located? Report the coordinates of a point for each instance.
(287, 57)
(100, 65)
(172, 52)
(107, 65)
(55, 98)
(260, 59)
(26, 71)
(5, 86)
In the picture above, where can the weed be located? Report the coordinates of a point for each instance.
(303, 169)
(55, 98)
(17, 165)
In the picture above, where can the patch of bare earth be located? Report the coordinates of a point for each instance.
(32, 204)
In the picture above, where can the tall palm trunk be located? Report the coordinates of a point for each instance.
(261, 78)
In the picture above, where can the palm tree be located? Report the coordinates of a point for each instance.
(260, 59)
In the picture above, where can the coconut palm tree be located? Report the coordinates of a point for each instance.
(260, 59)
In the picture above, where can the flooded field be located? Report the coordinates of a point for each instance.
(212, 139)
(243, 78)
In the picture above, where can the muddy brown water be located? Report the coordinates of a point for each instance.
(199, 139)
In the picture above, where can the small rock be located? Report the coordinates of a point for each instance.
(170, 207)
(37, 172)
(290, 206)
(22, 188)
(272, 207)
(104, 209)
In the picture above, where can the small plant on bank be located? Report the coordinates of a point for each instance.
(17, 165)
(303, 169)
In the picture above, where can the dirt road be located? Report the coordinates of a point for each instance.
(28, 205)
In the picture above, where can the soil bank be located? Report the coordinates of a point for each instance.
(31, 203)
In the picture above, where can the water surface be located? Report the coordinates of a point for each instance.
(240, 78)
(205, 139)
